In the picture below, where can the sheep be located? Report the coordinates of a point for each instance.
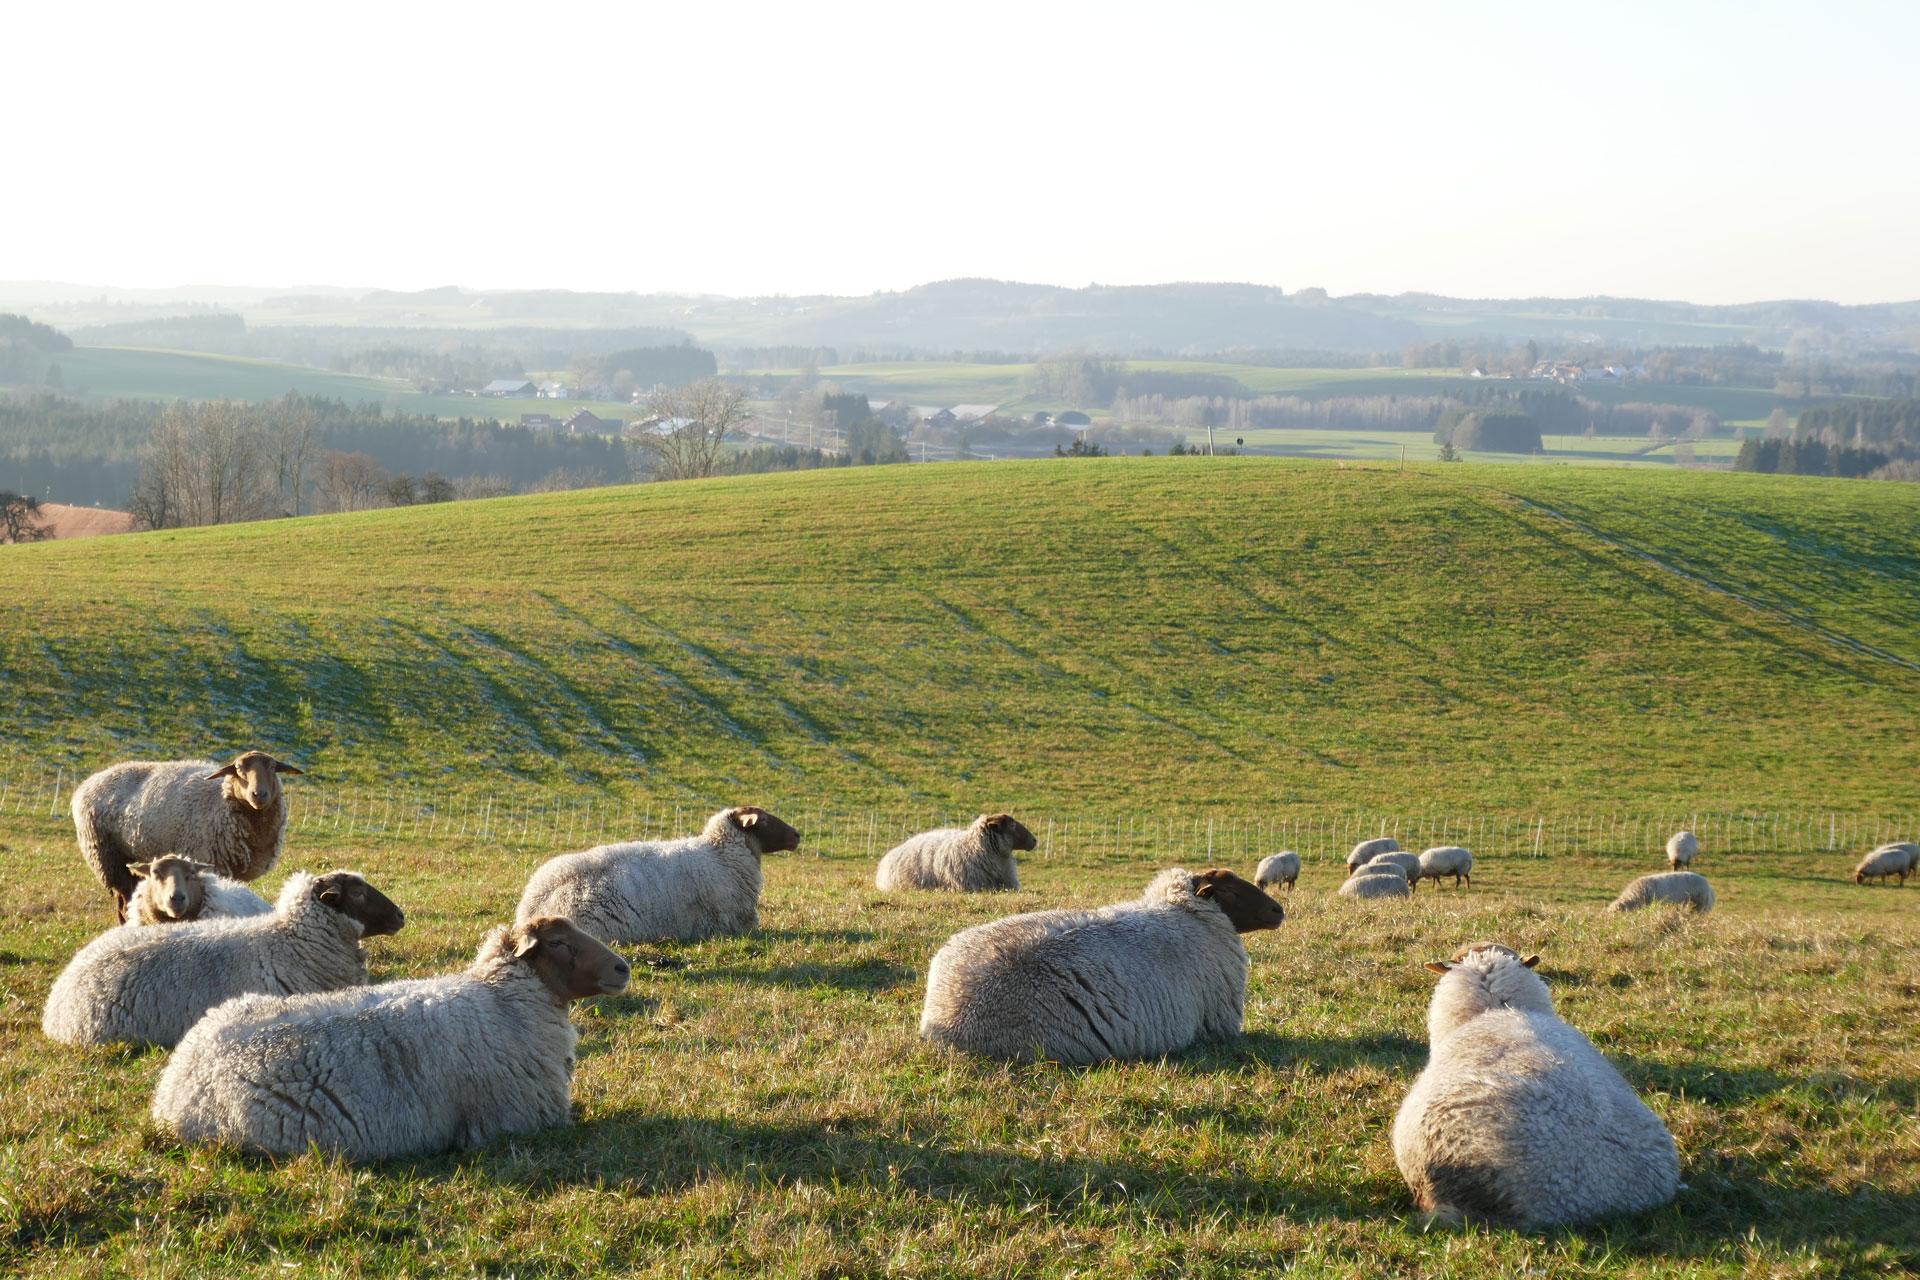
(1135, 980)
(1684, 888)
(1446, 860)
(1378, 880)
(1408, 863)
(148, 986)
(1282, 868)
(402, 1068)
(231, 817)
(650, 891)
(1888, 860)
(1682, 848)
(968, 859)
(1517, 1118)
(1367, 850)
(173, 889)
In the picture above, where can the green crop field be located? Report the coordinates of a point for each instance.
(137, 373)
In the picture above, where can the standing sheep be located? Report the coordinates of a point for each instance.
(1517, 1117)
(970, 859)
(1683, 888)
(1888, 860)
(148, 986)
(1682, 848)
(1367, 850)
(173, 890)
(402, 1068)
(231, 817)
(647, 891)
(1447, 860)
(1377, 880)
(1281, 868)
(1134, 980)
(1408, 863)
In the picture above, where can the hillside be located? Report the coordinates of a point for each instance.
(1134, 633)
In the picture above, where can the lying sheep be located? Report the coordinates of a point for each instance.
(645, 891)
(970, 859)
(231, 817)
(1367, 850)
(1888, 860)
(402, 1068)
(173, 890)
(1378, 880)
(1134, 980)
(1518, 1118)
(1446, 860)
(1282, 868)
(147, 986)
(1682, 848)
(1684, 888)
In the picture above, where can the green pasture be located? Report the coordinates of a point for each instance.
(137, 373)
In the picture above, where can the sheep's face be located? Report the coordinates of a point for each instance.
(765, 833)
(1243, 904)
(175, 887)
(572, 962)
(1012, 830)
(352, 896)
(1485, 953)
(256, 778)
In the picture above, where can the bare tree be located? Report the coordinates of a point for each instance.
(204, 464)
(293, 446)
(20, 518)
(685, 427)
(349, 481)
(487, 486)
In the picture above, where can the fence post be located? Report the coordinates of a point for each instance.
(53, 811)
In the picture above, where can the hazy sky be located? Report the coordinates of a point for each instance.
(1715, 152)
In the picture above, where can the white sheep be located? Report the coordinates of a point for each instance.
(1377, 880)
(646, 891)
(1281, 868)
(173, 890)
(1900, 859)
(1517, 1118)
(1447, 860)
(147, 986)
(1682, 848)
(1367, 850)
(1134, 980)
(1682, 888)
(970, 859)
(1409, 864)
(402, 1068)
(231, 817)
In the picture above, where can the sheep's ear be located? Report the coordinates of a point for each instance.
(1438, 966)
(224, 771)
(140, 870)
(746, 819)
(1204, 889)
(526, 942)
(1531, 960)
(281, 766)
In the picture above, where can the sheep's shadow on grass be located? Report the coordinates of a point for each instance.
(816, 935)
(856, 975)
(1718, 1084)
(1387, 1051)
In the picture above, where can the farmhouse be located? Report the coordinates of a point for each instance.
(973, 412)
(553, 391)
(587, 423)
(517, 388)
(545, 421)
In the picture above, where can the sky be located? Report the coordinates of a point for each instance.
(1701, 151)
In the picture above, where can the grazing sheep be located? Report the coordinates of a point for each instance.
(230, 817)
(646, 891)
(147, 986)
(1134, 980)
(971, 859)
(1367, 850)
(173, 890)
(1446, 860)
(1517, 1117)
(1683, 888)
(1378, 880)
(1281, 868)
(1408, 863)
(402, 1068)
(1682, 848)
(1888, 860)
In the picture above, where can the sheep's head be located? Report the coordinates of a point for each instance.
(765, 833)
(1010, 829)
(1485, 951)
(573, 963)
(255, 778)
(350, 895)
(1243, 904)
(174, 887)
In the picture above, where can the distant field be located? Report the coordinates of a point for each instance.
(133, 373)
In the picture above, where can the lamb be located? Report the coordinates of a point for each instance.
(173, 889)
(1517, 1118)
(231, 817)
(1135, 980)
(1367, 850)
(1682, 848)
(1378, 880)
(1447, 860)
(402, 1068)
(148, 986)
(645, 891)
(1684, 888)
(1888, 860)
(969, 859)
(1282, 868)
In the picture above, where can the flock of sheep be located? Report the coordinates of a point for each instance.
(280, 1044)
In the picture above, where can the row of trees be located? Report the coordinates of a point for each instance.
(1810, 457)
